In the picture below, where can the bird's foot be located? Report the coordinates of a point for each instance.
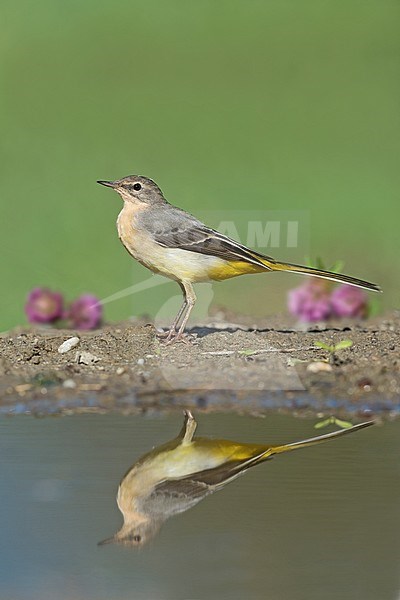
(172, 336)
(162, 334)
(185, 338)
(189, 427)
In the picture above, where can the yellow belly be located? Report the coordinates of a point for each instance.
(183, 460)
(175, 263)
(234, 269)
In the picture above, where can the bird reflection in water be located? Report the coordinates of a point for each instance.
(177, 475)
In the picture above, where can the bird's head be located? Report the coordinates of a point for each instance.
(136, 189)
(134, 535)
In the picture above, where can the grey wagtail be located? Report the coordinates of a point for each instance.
(170, 241)
(177, 475)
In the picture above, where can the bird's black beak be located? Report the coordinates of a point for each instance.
(109, 540)
(111, 184)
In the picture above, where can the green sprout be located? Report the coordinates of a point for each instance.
(332, 349)
(333, 421)
(337, 267)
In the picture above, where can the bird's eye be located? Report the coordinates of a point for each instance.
(137, 538)
(137, 187)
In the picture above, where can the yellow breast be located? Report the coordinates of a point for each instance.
(175, 263)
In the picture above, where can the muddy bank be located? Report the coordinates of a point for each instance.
(235, 365)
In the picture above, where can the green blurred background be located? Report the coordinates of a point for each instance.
(250, 105)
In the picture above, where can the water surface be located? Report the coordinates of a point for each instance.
(322, 522)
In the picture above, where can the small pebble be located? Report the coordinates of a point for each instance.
(365, 384)
(140, 361)
(120, 371)
(69, 384)
(318, 367)
(68, 345)
(86, 358)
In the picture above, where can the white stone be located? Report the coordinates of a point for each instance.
(86, 358)
(68, 345)
(69, 384)
(319, 366)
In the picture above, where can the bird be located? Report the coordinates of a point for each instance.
(169, 241)
(177, 475)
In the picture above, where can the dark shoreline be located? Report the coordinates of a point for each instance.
(230, 367)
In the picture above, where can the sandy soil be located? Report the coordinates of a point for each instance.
(233, 364)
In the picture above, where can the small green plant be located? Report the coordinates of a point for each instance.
(342, 345)
(337, 267)
(332, 349)
(333, 421)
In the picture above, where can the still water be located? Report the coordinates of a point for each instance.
(319, 523)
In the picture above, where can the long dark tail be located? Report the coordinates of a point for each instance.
(277, 266)
(270, 451)
(320, 438)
